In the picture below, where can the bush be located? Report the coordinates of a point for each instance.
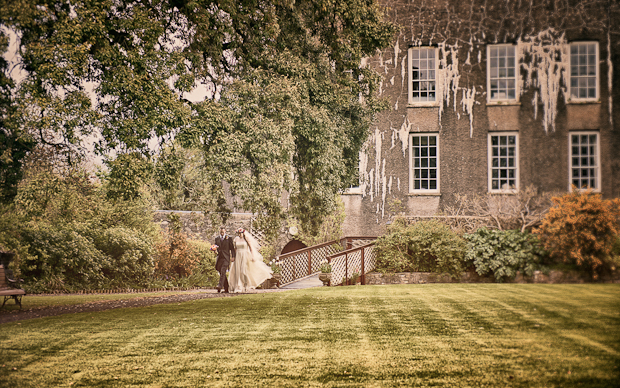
(60, 259)
(582, 228)
(69, 236)
(129, 253)
(503, 253)
(178, 257)
(204, 274)
(427, 246)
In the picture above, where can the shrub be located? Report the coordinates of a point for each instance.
(61, 259)
(204, 273)
(68, 235)
(582, 228)
(503, 253)
(423, 246)
(130, 255)
(178, 257)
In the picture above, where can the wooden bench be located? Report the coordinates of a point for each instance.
(9, 288)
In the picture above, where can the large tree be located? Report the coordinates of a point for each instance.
(289, 102)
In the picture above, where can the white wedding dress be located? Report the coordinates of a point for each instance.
(248, 270)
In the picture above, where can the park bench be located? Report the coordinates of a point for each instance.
(9, 288)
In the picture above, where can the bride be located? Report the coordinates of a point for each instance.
(248, 270)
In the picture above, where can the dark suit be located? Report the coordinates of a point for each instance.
(225, 251)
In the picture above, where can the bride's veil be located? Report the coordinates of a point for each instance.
(254, 246)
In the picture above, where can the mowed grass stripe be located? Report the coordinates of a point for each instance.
(412, 335)
(571, 310)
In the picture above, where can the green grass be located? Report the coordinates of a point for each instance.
(452, 335)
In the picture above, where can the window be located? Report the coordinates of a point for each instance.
(584, 160)
(503, 162)
(501, 73)
(424, 162)
(584, 71)
(422, 75)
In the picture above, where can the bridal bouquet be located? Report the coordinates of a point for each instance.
(214, 247)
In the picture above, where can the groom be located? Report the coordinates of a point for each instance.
(225, 251)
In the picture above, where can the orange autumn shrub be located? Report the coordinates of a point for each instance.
(581, 228)
(175, 256)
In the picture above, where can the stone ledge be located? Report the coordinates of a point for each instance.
(554, 277)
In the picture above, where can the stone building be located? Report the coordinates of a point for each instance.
(490, 97)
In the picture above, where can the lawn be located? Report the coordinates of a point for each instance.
(453, 335)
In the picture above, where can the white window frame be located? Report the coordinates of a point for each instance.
(412, 189)
(499, 167)
(515, 77)
(596, 157)
(595, 65)
(410, 97)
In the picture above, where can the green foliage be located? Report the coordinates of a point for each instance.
(10, 237)
(128, 176)
(13, 150)
(268, 251)
(422, 247)
(502, 253)
(582, 228)
(74, 256)
(129, 255)
(325, 268)
(328, 230)
(60, 258)
(54, 198)
(68, 235)
(288, 107)
(14, 143)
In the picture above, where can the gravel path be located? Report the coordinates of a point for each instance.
(39, 312)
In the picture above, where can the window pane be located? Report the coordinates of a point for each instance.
(503, 168)
(584, 168)
(583, 70)
(424, 166)
(424, 79)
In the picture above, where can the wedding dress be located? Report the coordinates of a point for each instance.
(248, 270)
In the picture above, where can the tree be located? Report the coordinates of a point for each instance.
(13, 146)
(289, 104)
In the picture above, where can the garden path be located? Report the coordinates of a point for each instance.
(307, 282)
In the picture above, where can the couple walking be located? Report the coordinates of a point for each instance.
(247, 270)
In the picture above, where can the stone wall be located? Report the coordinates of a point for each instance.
(198, 227)
(554, 277)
